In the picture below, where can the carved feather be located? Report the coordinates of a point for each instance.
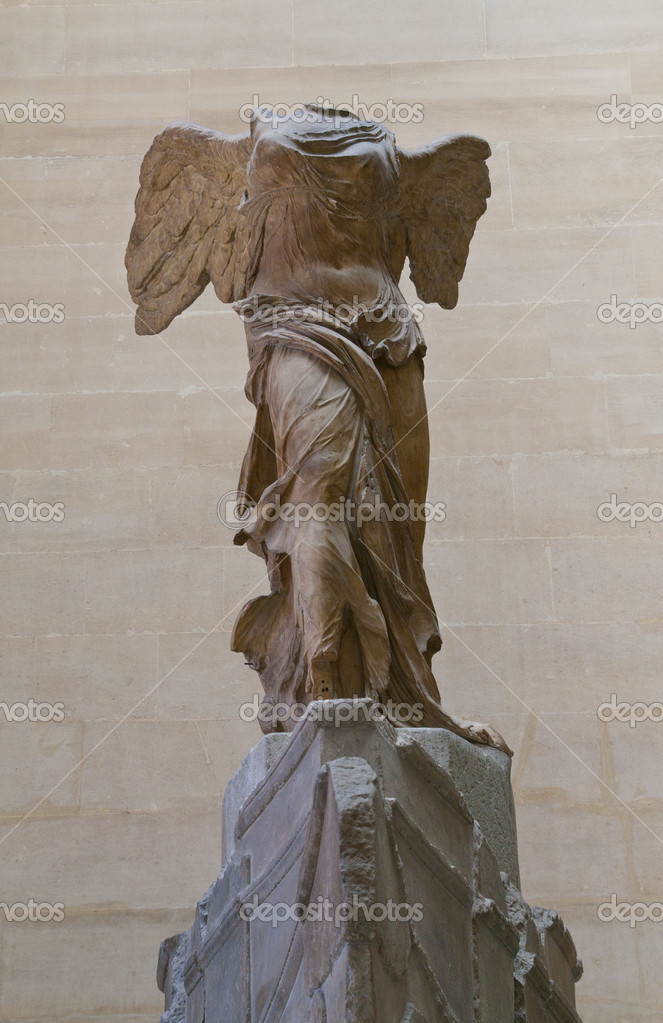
(188, 231)
(442, 192)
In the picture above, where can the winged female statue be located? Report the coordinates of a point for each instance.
(304, 222)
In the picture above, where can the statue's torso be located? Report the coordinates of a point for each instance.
(317, 199)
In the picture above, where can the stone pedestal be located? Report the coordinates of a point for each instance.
(370, 875)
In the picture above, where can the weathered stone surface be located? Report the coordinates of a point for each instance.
(547, 965)
(483, 776)
(361, 885)
(253, 769)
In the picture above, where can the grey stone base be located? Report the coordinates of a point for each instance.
(370, 875)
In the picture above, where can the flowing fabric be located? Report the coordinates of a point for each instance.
(344, 591)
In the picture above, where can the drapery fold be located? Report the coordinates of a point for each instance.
(345, 591)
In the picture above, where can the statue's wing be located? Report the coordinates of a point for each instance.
(188, 230)
(442, 192)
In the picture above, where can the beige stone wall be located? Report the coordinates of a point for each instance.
(539, 412)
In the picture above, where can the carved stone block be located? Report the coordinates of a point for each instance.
(367, 878)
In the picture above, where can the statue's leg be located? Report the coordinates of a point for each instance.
(318, 423)
(405, 387)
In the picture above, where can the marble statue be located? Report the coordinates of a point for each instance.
(305, 222)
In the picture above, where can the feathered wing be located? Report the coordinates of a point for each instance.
(188, 231)
(441, 194)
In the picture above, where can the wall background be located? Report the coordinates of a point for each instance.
(535, 421)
